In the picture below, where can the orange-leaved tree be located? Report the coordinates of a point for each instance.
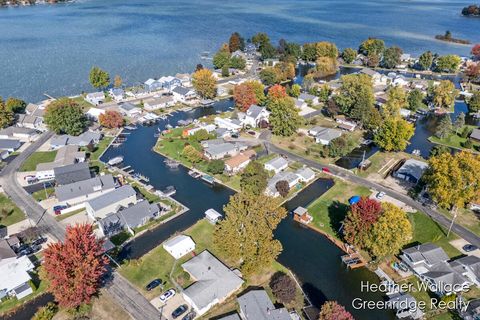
(111, 119)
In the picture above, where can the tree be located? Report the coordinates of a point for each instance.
(191, 154)
(246, 233)
(284, 71)
(349, 55)
(283, 287)
(282, 187)
(339, 147)
(238, 63)
(326, 49)
(277, 92)
(6, 116)
(267, 51)
(323, 93)
(204, 83)
(396, 100)
(225, 71)
(476, 51)
(331, 310)
(372, 46)
(201, 135)
(293, 50)
(64, 115)
(448, 63)
(46, 313)
(394, 134)
(244, 96)
(221, 59)
(73, 269)
(259, 90)
(415, 100)
(236, 42)
(425, 60)
(111, 119)
(391, 231)
(295, 90)
(325, 66)
(254, 178)
(439, 149)
(473, 71)
(99, 78)
(117, 81)
(284, 117)
(309, 52)
(260, 39)
(15, 105)
(308, 81)
(268, 76)
(359, 221)
(474, 102)
(373, 60)
(216, 166)
(444, 95)
(391, 57)
(459, 122)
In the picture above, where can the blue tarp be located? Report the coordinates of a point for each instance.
(354, 200)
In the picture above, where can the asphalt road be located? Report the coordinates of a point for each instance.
(123, 292)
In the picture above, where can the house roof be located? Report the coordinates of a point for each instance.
(96, 95)
(9, 144)
(213, 279)
(277, 163)
(127, 106)
(150, 81)
(369, 72)
(160, 100)
(112, 197)
(413, 167)
(254, 111)
(81, 140)
(306, 96)
(10, 131)
(213, 214)
(239, 159)
(85, 187)
(5, 250)
(428, 252)
(181, 90)
(221, 148)
(300, 211)
(15, 273)
(328, 134)
(306, 173)
(135, 215)
(179, 242)
(65, 155)
(256, 305)
(475, 134)
(72, 173)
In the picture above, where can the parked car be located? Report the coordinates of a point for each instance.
(36, 248)
(39, 241)
(469, 247)
(167, 295)
(179, 311)
(58, 209)
(25, 252)
(153, 284)
(326, 170)
(380, 195)
(190, 316)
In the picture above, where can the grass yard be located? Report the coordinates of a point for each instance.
(100, 148)
(38, 157)
(9, 212)
(381, 163)
(331, 207)
(43, 194)
(465, 217)
(80, 100)
(454, 140)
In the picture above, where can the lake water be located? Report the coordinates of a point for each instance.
(52, 48)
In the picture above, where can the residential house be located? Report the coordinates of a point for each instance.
(10, 145)
(469, 267)
(131, 218)
(72, 173)
(117, 94)
(256, 117)
(137, 92)
(325, 135)
(276, 165)
(94, 113)
(211, 142)
(95, 98)
(66, 155)
(169, 82)
(411, 171)
(405, 306)
(81, 191)
(185, 79)
(130, 110)
(220, 151)
(179, 246)
(377, 78)
(256, 305)
(23, 134)
(152, 85)
(213, 215)
(239, 54)
(14, 273)
(400, 81)
(300, 104)
(182, 94)
(31, 122)
(202, 126)
(229, 124)
(305, 174)
(475, 135)
(237, 163)
(270, 62)
(213, 282)
(82, 140)
(306, 97)
(291, 178)
(113, 201)
(158, 103)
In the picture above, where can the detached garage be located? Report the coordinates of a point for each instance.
(179, 246)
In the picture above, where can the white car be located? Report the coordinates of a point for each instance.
(380, 195)
(167, 295)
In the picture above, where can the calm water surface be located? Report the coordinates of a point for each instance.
(52, 48)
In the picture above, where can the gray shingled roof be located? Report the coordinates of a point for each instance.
(254, 111)
(85, 187)
(256, 305)
(5, 250)
(221, 148)
(9, 144)
(181, 90)
(10, 131)
(112, 197)
(213, 279)
(413, 167)
(475, 134)
(134, 216)
(328, 134)
(277, 162)
(429, 252)
(72, 173)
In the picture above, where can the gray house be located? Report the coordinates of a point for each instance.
(81, 191)
(113, 201)
(412, 170)
(221, 150)
(256, 305)
(72, 173)
(82, 140)
(9, 145)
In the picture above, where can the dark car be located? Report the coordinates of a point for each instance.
(190, 316)
(152, 285)
(469, 247)
(179, 311)
(25, 252)
(39, 241)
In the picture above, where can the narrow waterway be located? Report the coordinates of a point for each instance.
(314, 259)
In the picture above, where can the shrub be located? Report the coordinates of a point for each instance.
(47, 312)
(282, 187)
(283, 287)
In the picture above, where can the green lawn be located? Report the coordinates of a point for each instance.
(330, 208)
(82, 103)
(9, 212)
(466, 218)
(102, 145)
(454, 140)
(43, 194)
(38, 157)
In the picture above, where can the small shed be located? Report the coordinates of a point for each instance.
(179, 246)
(301, 215)
(213, 215)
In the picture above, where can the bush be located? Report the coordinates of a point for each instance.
(47, 312)
(216, 166)
(283, 287)
(467, 144)
(282, 187)
(465, 132)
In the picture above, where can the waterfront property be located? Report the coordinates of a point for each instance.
(179, 246)
(85, 190)
(64, 156)
(213, 216)
(276, 165)
(411, 170)
(110, 202)
(95, 98)
(72, 173)
(256, 305)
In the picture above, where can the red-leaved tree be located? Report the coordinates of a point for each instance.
(111, 119)
(476, 51)
(73, 268)
(360, 218)
(244, 96)
(473, 71)
(331, 310)
(277, 92)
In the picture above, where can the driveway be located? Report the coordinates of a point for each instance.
(459, 243)
(167, 308)
(398, 203)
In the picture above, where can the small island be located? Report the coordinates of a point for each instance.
(471, 11)
(448, 37)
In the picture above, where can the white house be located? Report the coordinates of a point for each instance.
(255, 116)
(130, 110)
(182, 94)
(185, 79)
(179, 246)
(94, 113)
(95, 98)
(229, 124)
(305, 174)
(276, 165)
(117, 94)
(111, 202)
(14, 273)
(158, 103)
(213, 215)
(326, 135)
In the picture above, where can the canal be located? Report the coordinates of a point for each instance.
(314, 259)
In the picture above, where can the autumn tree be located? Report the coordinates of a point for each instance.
(396, 100)
(244, 96)
(474, 102)
(260, 39)
(73, 269)
(64, 115)
(284, 70)
(258, 89)
(331, 310)
(372, 46)
(391, 232)
(246, 233)
(284, 117)
(117, 81)
(444, 95)
(476, 51)
(6, 116)
(448, 63)
(425, 60)
(254, 178)
(111, 119)
(325, 66)
(99, 78)
(204, 83)
(359, 221)
(394, 134)
(295, 90)
(192, 154)
(15, 105)
(349, 55)
(326, 49)
(472, 71)
(236, 42)
(268, 76)
(392, 57)
(283, 287)
(373, 60)
(276, 92)
(282, 187)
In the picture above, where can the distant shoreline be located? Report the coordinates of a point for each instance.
(27, 3)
